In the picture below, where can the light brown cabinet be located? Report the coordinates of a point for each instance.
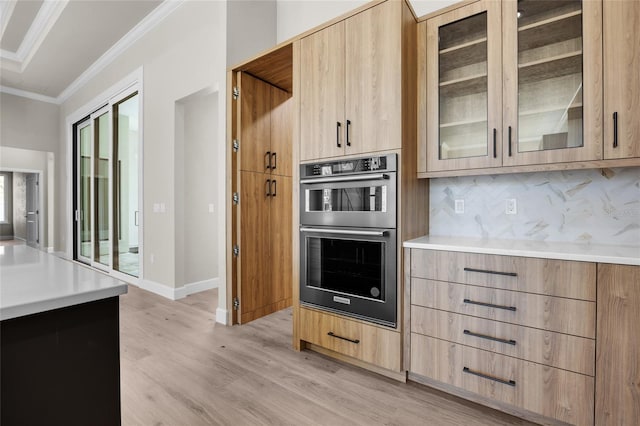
(618, 346)
(353, 338)
(350, 87)
(512, 332)
(621, 79)
(547, 61)
(262, 198)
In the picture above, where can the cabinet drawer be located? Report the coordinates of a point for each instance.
(577, 317)
(352, 338)
(576, 280)
(545, 390)
(544, 347)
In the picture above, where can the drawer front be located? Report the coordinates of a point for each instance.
(544, 347)
(569, 316)
(545, 390)
(365, 342)
(575, 280)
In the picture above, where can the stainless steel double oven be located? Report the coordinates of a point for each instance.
(348, 237)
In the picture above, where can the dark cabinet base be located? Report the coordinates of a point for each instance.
(61, 367)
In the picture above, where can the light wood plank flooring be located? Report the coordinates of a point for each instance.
(181, 368)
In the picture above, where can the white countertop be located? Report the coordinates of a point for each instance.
(624, 255)
(32, 281)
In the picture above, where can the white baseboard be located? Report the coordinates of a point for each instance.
(196, 287)
(60, 254)
(50, 250)
(180, 292)
(222, 316)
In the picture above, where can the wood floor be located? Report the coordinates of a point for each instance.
(181, 368)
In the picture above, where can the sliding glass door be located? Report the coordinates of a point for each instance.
(107, 170)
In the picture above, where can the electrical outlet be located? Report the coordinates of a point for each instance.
(459, 206)
(511, 206)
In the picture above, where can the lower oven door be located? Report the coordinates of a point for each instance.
(350, 271)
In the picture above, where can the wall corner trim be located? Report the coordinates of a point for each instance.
(221, 316)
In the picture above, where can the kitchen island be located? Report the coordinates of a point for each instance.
(59, 340)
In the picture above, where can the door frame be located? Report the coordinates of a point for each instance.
(41, 202)
(120, 90)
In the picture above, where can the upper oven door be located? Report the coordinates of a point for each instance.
(366, 200)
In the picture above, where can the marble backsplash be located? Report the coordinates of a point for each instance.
(588, 206)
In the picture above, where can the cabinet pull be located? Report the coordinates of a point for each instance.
(484, 336)
(275, 160)
(509, 141)
(486, 271)
(489, 305)
(495, 152)
(348, 125)
(332, 334)
(615, 129)
(267, 160)
(338, 125)
(486, 376)
(275, 188)
(267, 185)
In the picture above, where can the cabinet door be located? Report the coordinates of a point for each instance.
(281, 241)
(464, 92)
(618, 345)
(322, 94)
(255, 271)
(373, 101)
(552, 56)
(255, 116)
(621, 79)
(281, 136)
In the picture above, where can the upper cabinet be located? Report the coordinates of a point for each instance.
(463, 80)
(350, 86)
(552, 81)
(621, 79)
(535, 83)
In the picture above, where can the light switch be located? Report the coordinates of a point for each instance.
(156, 207)
(162, 208)
(211, 210)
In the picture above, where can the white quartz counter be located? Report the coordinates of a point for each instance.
(32, 281)
(624, 255)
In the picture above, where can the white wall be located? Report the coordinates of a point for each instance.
(183, 54)
(251, 28)
(298, 16)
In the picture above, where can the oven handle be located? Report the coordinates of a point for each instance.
(344, 231)
(373, 176)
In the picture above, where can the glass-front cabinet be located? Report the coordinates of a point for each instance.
(512, 83)
(463, 68)
(552, 81)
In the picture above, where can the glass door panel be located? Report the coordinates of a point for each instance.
(463, 88)
(102, 162)
(84, 192)
(549, 75)
(126, 215)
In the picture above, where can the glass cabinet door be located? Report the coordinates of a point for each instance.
(464, 89)
(548, 67)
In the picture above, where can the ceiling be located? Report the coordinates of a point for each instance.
(47, 45)
(48, 48)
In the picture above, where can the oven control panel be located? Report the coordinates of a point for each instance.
(385, 163)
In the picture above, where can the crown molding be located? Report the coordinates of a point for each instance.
(143, 27)
(6, 10)
(30, 95)
(46, 18)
